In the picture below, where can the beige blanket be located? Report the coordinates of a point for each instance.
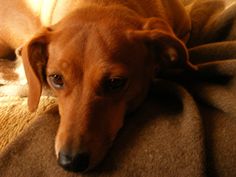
(186, 127)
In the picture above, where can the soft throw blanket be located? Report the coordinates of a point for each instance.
(186, 126)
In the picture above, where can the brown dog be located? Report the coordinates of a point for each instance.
(99, 57)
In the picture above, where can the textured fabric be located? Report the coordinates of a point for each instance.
(15, 117)
(186, 126)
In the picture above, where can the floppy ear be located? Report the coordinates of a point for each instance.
(168, 51)
(35, 55)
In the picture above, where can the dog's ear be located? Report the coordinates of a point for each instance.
(35, 54)
(167, 49)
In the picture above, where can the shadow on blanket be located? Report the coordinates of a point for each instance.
(186, 126)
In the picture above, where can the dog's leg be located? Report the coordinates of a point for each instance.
(12, 76)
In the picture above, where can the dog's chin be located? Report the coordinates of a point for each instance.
(96, 163)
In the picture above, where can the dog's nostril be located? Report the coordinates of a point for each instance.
(78, 163)
(65, 160)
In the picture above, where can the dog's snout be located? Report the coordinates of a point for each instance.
(77, 163)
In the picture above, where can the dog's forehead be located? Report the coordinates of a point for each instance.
(93, 36)
(90, 42)
(90, 49)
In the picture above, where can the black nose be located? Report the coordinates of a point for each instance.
(78, 163)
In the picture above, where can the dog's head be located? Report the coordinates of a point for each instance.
(99, 66)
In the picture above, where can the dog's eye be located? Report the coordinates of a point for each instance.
(56, 81)
(115, 84)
